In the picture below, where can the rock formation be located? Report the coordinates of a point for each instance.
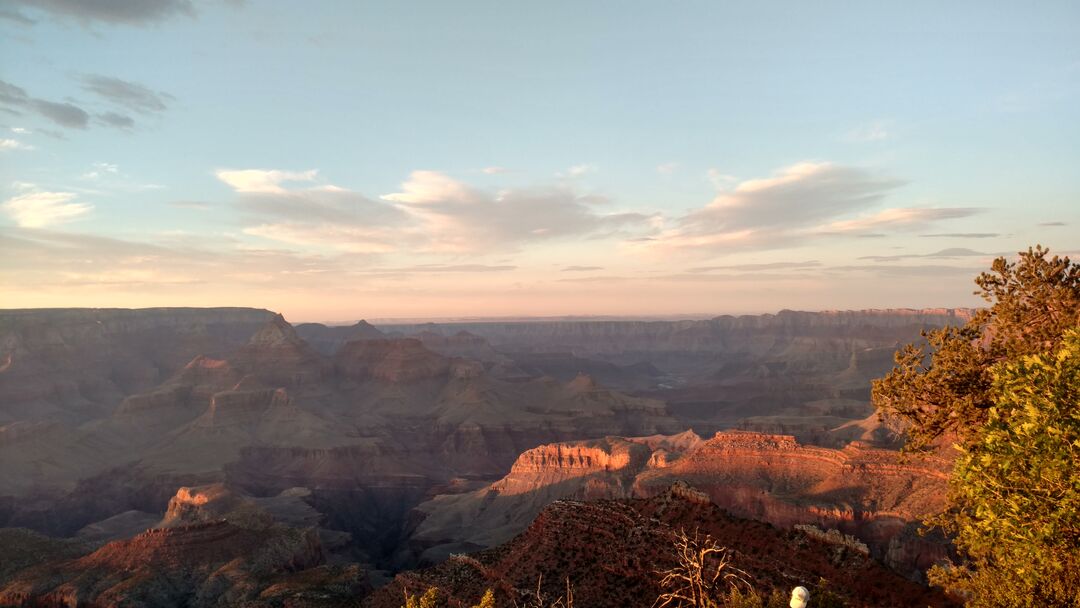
(215, 546)
(328, 339)
(801, 373)
(858, 490)
(611, 551)
(77, 364)
(104, 414)
(267, 412)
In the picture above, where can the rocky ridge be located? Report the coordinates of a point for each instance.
(611, 550)
(858, 490)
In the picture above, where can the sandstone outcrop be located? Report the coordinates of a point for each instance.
(858, 490)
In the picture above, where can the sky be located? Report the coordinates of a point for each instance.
(344, 160)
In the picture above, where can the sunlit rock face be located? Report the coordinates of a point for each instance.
(858, 490)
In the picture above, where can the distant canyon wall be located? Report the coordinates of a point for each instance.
(719, 334)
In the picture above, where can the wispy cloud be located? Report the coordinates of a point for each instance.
(61, 259)
(874, 131)
(667, 168)
(720, 180)
(758, 267)
(578, 170)
(494, 170)
(582, 268)
(61, 113)
(1052, 224)
(432, 213)
(14, 144)
(127, 94)
(197, 205)
(453, 216)
(37, 209)
(961, 235)
(16, 16)
(127, 12)
(349, 238)
(944, 254)
(915, 271)
(99, 170)
(799, 203)
(116, 120)
(267, 181)
(465, 268)
(769, 211)
(906, 218)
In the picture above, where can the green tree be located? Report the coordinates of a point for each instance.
(943, 389)
(1015, 491)
(1005, 388)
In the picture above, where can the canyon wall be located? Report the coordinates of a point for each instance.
(857, 490)
(719, 334)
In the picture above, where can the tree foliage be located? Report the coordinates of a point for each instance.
(1006, 388)
(1015, 491)
(943, 388)
(428, 600)
(488, 601)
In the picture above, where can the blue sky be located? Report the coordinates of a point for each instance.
(431, 159)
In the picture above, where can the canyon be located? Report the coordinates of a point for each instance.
(858, 490)
(336, 456)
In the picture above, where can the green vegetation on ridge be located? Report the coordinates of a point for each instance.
(1006, 389)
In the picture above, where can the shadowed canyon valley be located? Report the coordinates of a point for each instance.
(283, 465)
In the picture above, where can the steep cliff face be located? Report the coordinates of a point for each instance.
(277, 356)
(611, 550)
(858, 490)
(76, 364)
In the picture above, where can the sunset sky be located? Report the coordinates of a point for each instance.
(470, 159)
